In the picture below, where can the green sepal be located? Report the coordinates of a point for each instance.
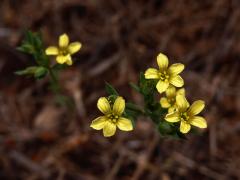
(111, 99)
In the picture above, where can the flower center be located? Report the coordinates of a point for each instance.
(172, 101)
(114, 118)
(163, 76)
(63, 52)
(184, 116)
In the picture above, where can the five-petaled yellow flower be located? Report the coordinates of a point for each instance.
(170, 100)
(112, 117)
(187, 115)
(64, 51)
(166, 75)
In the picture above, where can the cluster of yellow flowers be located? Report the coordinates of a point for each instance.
(179, 110)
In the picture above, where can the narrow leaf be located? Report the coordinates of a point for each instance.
(110, 89)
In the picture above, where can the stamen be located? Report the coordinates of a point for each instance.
(163, 76)
(114, 118)
(172, 100)
(64, 52)
(184, 116)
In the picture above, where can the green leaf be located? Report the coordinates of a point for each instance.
(64, 101)
(32, 44)
(37, 71)
(135, 87)
(134, 107)
(164, 128)
(147, 86)
(110, 89)
(167, 129)
(29, 36)
(178, 135)
(40, 72)
(27, 48)
(27, 71)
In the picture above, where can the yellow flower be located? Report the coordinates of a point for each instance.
(65, 50)
(170, 100)
(166, 75)
(112, 117)
(187, 115)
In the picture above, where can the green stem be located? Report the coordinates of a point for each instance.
(54, 81)
(52, 75)
(56, 88)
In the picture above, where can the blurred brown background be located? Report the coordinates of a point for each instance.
(39, 140)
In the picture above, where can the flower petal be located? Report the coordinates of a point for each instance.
(162, 86)
(119, 106)
(164, 102)
(172, 109)
(103, 105)
(52, 50)
(98, 123)
(171, 92)
(151, 73)
(177, 81)
(69, 62)
(184, 127)
(196, 107)
(63, 41)
(109, 129)
(181, 92)
(162, 61)
(198, 121)
(74, 47)
(124, 124)
(62, 59)
(172, 117)
(175, 69)
(182, 103)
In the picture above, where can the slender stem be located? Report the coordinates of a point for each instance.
(54, 81)
(56, 89)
